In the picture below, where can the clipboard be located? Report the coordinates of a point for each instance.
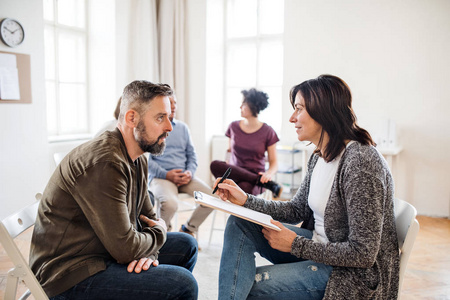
(236, 210)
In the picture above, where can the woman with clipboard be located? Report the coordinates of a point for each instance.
(347, 245)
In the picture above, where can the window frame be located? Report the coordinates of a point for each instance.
(76, 32)
(258, 40)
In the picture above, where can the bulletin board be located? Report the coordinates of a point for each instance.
(24, 78)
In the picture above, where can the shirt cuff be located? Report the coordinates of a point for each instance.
(161, 174)
(250, 200)
(192, 172)
(297, 246)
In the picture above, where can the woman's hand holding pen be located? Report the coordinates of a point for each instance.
(229, 190)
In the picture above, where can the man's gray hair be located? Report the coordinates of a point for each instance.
(139, 93)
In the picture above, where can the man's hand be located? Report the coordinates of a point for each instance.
(279, 240)
(186, 177)
(145, 263)
(176, 176)
(179, 177)
(152, 223)
(142, 264)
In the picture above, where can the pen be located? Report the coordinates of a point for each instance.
(225, 176)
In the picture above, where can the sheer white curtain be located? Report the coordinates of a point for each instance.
(137, 40)
(171, 21)
(153, 43)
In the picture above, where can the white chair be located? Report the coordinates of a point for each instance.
(183, 206)
(407, 229)
(10, 228)
(213, 222)
(58, 157)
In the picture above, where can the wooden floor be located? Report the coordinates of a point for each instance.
(427, 275)
(428, 271)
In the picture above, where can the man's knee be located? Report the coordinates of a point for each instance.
(180, 249)
(189, 288)
(188, 243)
(169, 205)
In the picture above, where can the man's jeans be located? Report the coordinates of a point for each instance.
(172, 279)
(289, 278)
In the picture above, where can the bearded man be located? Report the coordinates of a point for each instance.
(96, 234)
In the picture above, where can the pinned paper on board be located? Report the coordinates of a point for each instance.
(9, 77)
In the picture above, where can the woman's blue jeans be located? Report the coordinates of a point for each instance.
(289, 278)
(172, 279)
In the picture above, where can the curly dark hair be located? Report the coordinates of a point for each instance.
(256, 100)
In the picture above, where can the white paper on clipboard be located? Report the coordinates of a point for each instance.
(236, 210)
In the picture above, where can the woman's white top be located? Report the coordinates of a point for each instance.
(321, 182)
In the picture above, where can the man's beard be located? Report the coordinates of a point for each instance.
(154, 148)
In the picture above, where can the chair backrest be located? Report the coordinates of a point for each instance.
(407, 229)
(10, 228)
(58, 157)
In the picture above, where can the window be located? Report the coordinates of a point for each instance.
(254, 55)
(65, 35)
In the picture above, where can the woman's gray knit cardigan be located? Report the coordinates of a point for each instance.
(359, 224)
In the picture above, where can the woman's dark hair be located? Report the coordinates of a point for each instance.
(328, 100)
(256, 100)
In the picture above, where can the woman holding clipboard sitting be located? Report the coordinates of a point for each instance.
(347, 245)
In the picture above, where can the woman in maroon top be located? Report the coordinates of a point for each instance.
(249, 140)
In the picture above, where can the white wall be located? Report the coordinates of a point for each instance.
(23, 128)
(102, 62)
(395, 57)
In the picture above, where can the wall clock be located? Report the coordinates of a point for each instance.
(11, 32)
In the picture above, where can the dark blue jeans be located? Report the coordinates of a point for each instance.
(172, 279)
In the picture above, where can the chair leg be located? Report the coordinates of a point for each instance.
(212, 226)
(25, 295)
(174, 221)
(197, 235)
(11, 284)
